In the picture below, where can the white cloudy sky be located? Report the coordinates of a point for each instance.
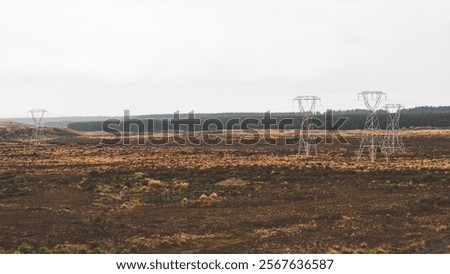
(98, 57)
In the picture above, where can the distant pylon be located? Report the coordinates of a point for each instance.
(38, 118)
(372, 140)
(393, 141)
(307, 104)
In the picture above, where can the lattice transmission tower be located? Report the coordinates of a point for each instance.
(307, 105)
(393, 141)
(372, 140)
(38, 119)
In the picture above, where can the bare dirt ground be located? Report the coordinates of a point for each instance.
(71, 195)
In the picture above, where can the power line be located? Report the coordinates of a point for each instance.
(371, 140)
(393, 141)
(38, 117)
(306, 104)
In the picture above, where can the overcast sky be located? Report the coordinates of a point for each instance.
(99, 57)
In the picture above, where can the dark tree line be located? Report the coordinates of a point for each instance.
(415, 117)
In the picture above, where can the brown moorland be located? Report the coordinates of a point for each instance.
(69, 194)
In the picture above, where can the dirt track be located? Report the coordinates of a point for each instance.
(70, 196)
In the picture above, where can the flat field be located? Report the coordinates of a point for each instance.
(71, 195)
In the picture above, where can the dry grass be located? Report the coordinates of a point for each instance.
(259, 199)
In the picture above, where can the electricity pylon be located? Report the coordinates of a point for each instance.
(38, 118)
(371, 140)
(393, 141)
(306, 104)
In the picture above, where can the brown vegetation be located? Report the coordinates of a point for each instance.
(74, 196)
